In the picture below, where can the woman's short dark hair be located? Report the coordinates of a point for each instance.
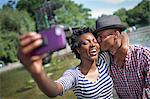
(75, 39)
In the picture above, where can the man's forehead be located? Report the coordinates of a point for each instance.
(102, 32)
(105, 31)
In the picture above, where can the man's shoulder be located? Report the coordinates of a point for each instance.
(73, 69)
(139, 50)
(139, 47)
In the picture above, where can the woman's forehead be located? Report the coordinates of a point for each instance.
(87, 36)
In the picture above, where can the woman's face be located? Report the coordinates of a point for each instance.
(88, 47)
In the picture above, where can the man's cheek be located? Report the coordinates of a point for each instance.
(104, 46)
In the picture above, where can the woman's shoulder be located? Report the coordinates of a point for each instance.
(103, 59)
(104, 56)
(72, 71)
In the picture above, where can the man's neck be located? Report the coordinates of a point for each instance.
(120, 55)
(114, 49)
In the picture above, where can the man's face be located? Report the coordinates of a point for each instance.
(106, 39)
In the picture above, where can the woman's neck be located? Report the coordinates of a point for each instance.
(87, 66)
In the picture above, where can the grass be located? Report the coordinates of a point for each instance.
(18, 84)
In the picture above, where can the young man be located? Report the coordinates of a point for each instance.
(129, 65)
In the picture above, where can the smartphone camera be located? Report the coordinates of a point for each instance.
(54, 39)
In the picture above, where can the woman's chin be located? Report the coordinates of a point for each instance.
(94, 57)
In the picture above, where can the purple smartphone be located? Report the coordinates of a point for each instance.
(54, 39)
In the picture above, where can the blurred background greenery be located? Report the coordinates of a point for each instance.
(26, 16)
(18, 84)
(23, 18)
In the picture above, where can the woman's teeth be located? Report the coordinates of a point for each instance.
(93, 52)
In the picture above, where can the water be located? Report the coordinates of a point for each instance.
(141, 36)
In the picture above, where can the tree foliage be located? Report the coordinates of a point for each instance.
(74, 15)
(18, 21)
(64, 12)
(138, 16)
(12, 24)
(122, 13)
(29, 5)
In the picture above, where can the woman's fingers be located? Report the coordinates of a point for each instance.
(30, 41)
(33, 45)
(26, 35)
(28, 38)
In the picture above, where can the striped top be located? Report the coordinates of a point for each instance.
(132, 81)
(85, 89)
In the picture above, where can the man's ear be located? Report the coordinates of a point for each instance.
(117, 42)
(117, 34)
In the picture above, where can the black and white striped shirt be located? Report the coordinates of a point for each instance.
(85, 89)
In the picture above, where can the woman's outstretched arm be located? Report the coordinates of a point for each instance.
(28, 42)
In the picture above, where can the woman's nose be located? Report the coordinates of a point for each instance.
(93, 44)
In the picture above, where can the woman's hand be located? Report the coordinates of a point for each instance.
(29, 42)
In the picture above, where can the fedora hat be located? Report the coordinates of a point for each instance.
(109, 22)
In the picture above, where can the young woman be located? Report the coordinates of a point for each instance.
(87, 80)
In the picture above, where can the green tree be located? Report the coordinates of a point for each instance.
(122, 13)
(12, 24)
(74, 15)
(29, 5)
(64, 12)
(140, 15)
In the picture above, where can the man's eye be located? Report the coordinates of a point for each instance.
(99, 36)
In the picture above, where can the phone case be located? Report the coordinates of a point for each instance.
(54, 39)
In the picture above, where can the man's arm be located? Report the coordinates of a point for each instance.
(146, 61)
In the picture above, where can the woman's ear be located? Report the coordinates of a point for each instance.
(77, 49)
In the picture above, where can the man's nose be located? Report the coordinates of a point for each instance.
(99, 39)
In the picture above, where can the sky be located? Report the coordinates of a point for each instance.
(3, 2)
(107, 7)
(99, 7)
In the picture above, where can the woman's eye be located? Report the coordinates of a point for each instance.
(85, 42)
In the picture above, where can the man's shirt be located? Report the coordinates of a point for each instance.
(133, 80)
